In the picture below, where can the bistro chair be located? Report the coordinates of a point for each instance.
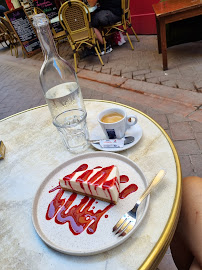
(8, 27)
(8, 39)
(76, 20)
(13, 37)
(4, 38)
(122, 25)
(60, 36)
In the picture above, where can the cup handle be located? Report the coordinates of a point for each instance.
(131, 120)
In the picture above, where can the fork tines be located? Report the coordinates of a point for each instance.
(124, 225)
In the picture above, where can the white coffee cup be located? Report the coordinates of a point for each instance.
(115, 122)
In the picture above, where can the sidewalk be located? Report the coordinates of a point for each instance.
(135, 78)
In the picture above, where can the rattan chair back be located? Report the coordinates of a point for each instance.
(75, 18)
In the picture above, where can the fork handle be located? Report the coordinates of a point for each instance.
(152, 184)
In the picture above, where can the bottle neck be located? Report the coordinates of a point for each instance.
(46, 40)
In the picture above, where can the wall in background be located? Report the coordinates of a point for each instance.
(143, 17)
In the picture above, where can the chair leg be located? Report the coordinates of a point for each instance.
(75, 63)
(11, 49)
(16, 51)
(98, 46)
(23, 53)
(104, 41)
(96, 50)
(135, 33)
(129, 40)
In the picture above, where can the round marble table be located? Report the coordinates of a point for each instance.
(34, 149)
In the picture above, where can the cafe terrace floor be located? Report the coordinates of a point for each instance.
(173, 98)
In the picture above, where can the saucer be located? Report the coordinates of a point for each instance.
(135, 131)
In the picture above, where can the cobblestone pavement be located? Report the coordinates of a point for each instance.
(134, 78)
(145, 63)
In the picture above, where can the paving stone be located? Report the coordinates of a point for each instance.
(142, 65)
(174, 118)
(97, 95)
(106, 70)
(138, 106)
(154, 74)
(197, 127)
(169, 83)
(141, 72)
(89, 67)
(199, 140)
(108, 97)
(3, 96)
(81, 64)
(97, 68)
(196, 115)
(153, 80)
(5, 109)
(180, 96)
(161, 119)
(185, 85)
(115, 72)
(102, 78)
(128, 75)
(153, 111)
(169, 77)
(198, 84)
(181, 131)
(188, 147)
(186, 165)
(197, 161)
(128, 69)
(139, 78)
(186, 70)
(123, 101)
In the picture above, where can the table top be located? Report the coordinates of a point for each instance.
(34, 149)
(166, 7)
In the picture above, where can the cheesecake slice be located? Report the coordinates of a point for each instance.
(99, 183)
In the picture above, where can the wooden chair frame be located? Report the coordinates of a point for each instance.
(75, 18)
(125, 23)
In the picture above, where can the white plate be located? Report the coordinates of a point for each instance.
(59, 236)
(97, 133)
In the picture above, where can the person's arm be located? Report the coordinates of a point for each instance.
(92, 3)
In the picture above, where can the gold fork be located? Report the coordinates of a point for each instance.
(128, 220)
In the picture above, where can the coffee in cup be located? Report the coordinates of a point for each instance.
(115, 122)
(112, 117)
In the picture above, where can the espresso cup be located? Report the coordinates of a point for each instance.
(115, 122)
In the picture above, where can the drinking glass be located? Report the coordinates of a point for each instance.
(73, 129)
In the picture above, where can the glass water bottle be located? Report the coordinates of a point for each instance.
(57, 77)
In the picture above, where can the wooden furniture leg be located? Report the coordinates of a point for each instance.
(158, 35)
(163, 43)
